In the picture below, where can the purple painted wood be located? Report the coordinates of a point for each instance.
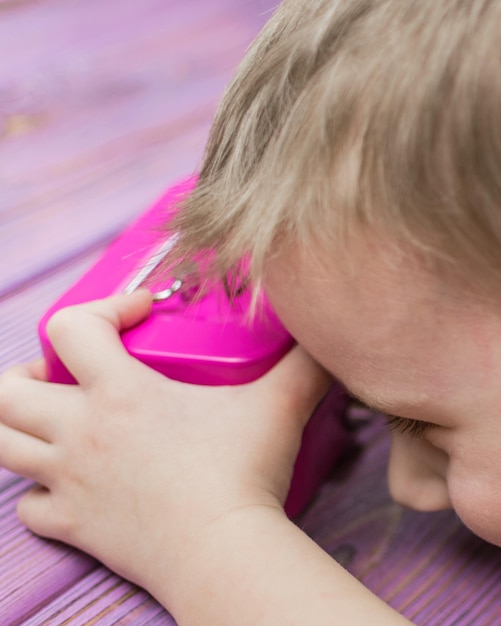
(102, 597)
(102, 105)
(32, 571)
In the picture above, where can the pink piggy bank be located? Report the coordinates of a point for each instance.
(205, 340)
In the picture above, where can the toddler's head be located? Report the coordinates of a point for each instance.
(356, 161)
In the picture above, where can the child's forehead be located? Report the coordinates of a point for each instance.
(374, 304)
(391, 333)
(363, 259)
(371, 268)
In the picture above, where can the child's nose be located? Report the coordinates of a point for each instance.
(416, 474)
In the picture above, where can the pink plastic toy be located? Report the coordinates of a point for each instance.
(205, 341)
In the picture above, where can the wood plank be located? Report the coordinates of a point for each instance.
(101, 111)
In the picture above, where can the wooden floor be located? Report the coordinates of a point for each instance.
(102, 106)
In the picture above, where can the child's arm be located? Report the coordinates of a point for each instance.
(178, 488)
(256, 567)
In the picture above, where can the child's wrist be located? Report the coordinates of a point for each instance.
(254, 566)
(201, 564)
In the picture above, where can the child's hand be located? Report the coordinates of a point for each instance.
(133, 466)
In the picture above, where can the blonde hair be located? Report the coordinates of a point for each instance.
(345, 113)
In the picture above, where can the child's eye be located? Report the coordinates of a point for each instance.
(415, 428)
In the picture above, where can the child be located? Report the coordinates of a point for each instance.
(356, 161)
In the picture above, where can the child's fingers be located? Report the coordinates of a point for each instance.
(299, 365)
(35, 370)
(33, 406)
(25, 455)
(36, 511)
(86, 337)
(303, 381)
(41, 410)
